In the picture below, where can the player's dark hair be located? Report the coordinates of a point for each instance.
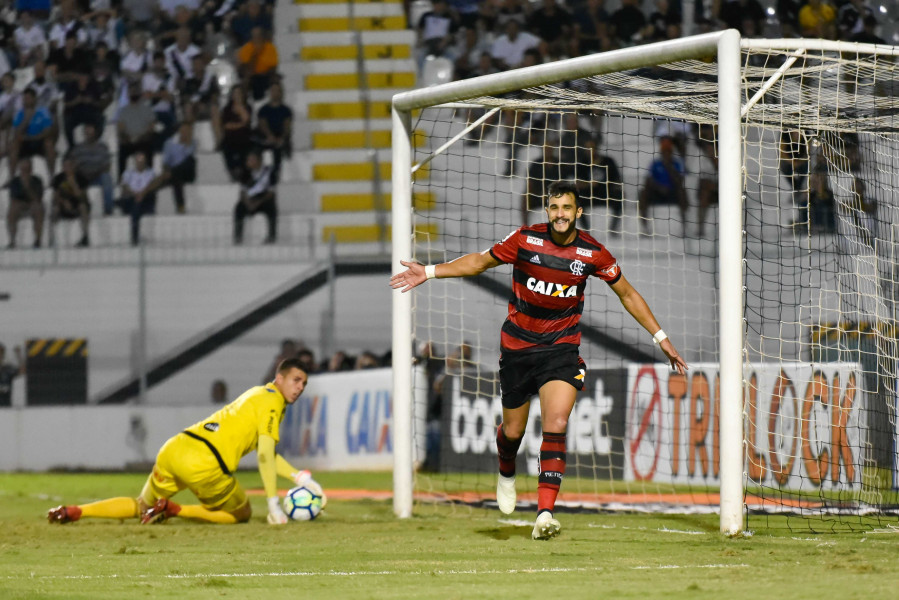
(287, 364)
(562, 187)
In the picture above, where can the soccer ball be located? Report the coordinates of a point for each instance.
(304, 502)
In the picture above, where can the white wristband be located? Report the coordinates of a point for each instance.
(430, 271)
(659, 337)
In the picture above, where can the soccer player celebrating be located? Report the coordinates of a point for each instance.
(540, 337)
(203, 458)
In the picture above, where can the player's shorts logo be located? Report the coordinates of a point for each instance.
(577, 267)
(213, 427)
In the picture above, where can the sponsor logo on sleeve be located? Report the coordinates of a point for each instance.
(213, 427)
(610, 272)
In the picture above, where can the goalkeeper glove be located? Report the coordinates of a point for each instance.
(276, 514)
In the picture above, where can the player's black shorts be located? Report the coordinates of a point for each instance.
(522, 374)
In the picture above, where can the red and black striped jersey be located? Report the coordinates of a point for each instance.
(548, 283)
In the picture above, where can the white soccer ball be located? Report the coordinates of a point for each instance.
(304, 502)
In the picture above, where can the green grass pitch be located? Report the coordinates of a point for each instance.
(358, 550)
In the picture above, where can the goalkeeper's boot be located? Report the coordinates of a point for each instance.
(506, 495)
(160, 512)
(63, 514)
(546, 526)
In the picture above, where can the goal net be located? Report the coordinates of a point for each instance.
(642, 135)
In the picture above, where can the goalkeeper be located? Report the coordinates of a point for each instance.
(203, 458)
(541, 336)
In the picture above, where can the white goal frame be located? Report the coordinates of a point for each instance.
(726, 47)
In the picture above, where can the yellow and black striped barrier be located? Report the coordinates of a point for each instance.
(56, 371)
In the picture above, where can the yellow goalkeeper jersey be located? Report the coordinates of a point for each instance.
(235, 429)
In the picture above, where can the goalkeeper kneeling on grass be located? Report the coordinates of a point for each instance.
(203, 458)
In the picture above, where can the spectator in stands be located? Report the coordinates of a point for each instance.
(664, 183)
(788, 15)
(550, 22)
(250, 16)
(134, 63)
(138, 192)
(466, 10)
(34, 132)
(708, 180)
(179, 163)
(93, 160)
(10, 100)
(70, 201)
(274, 123)
(851, 18)
(589, 25)
(236, 133)
(868, 35)
(794, 165)
(199, 94)
(257, 63)
(30, 41)
(257, 195)
(179, 57)
(289, 349)
(339, 361)
(626, 22)
(218, 393)
(367, 360)
(136, 128)
(167, 32)
(512, 10)
(821, 197)
(818, 19)
(509, 49)
(159, 91)
(67, 22)
(83, 103)
(307, 359)
(26, 199)
(103, 28)
(8, 372)
(139, 14)
(472, 45)
(437, 30)
(45, 88)
(735, 12)
(660, 23)
(67, 61)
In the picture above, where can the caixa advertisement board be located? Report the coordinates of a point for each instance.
(471, 410)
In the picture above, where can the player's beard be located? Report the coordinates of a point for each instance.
(568, 230)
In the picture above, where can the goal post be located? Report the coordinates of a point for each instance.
(725, 46)
(748, 189)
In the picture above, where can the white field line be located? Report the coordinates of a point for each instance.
(370, 573)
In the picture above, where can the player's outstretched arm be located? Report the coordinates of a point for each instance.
(636, 305)
(464, 266)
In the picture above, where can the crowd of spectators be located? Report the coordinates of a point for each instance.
(339, 361)
(489, 36)
(68, 68)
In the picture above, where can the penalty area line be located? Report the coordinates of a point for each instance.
(449, 572)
